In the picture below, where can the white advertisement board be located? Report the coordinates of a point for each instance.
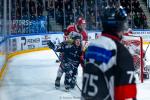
(144, 34)
(32, 41)
(26, 42)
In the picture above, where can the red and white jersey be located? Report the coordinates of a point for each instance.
(134, 49)
(73, 28)
(129, 32)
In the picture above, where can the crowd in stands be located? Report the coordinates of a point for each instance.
(27, 8)
(66, 11)
(135, 13)
(147, 2)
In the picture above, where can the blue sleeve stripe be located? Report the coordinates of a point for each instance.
(99, 54)
(100, 50)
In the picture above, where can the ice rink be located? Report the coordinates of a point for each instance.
(31, 76)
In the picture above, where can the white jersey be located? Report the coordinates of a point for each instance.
(133, 49)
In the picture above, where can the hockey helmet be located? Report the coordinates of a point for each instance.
(75, 35)
(77, 39)
(113, 17)
(81, 23)
(130, 31)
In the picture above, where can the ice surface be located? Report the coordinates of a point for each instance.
(31, 76)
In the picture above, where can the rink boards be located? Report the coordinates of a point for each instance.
(23, 43)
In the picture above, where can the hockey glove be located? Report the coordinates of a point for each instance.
(51, 45)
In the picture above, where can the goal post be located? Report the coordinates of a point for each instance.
(135, 46)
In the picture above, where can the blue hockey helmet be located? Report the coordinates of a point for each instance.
(113, 17)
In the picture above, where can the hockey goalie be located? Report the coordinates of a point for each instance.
(135, 47)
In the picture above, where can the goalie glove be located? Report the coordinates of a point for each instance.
(51, 45)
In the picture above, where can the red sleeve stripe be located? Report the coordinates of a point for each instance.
(125, 91)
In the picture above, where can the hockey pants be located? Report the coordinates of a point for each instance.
(70, 74)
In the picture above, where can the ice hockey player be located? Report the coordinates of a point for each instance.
(134, 47)
(79, 27)
(70, 62)
(109, 71)
(129, 32)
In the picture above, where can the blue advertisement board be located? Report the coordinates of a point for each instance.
(38, 25)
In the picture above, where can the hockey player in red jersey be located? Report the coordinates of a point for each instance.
(129, 32)
(78, 27)
(135, 48)
(109, 70)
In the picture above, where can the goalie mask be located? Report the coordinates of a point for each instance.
(113, 16)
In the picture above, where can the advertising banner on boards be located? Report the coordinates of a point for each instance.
(30, 42)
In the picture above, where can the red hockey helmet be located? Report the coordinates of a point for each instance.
(81, 24)
(80, 21)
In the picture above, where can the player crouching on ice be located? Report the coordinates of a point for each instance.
(72, 52)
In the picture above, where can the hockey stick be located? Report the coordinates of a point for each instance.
(60, 60)
(143, 55)
(56, 54)
(146, 50)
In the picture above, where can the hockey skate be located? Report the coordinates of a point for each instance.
(57, 61)
(67, 88)
(57, 83)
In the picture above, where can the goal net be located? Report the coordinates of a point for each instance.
(135, 46)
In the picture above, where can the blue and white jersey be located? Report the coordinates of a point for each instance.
(102, 50)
